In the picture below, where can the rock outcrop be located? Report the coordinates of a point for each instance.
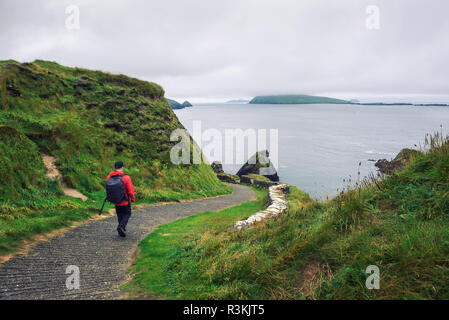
(175, 105)
(12, 90)
(246, 179)
(277, 205)
(83, 83)
(403, 157)
(129, 114)
(257, 182)
(217, 167)
(226, 177)
(264, 184)
(259, 164)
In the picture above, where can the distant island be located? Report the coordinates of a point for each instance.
(295, 99)
(307, 99)
(402, 104)
(432, 105)
(384, 104)
(176, 105)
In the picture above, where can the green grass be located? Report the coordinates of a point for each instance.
(164, 268)
(258, 177)
(87, 120)
(16, 226)
(399, 223)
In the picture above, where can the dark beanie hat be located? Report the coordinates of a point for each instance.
(119, 165)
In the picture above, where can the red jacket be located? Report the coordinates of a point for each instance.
(129, 188)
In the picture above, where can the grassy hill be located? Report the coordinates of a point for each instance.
(295, 99)
(399, 223)
(87, 120)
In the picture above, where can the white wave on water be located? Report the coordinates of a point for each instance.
(379, 153)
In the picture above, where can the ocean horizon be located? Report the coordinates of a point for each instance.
(322, 145)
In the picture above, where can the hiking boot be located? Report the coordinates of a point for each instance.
(121, 232)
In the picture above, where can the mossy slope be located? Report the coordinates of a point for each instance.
(87, 120)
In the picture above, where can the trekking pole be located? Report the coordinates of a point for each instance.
(102, 207)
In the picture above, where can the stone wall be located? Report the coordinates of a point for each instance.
(264, 184)
(277, 205)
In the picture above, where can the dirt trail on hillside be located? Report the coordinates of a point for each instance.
(100, 254)
(54, 174)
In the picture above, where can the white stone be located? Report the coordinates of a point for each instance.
(278, 205)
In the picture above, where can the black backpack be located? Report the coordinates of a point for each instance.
(115, 189)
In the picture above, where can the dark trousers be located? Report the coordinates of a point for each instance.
(123, 214)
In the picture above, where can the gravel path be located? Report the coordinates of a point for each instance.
(95, 248)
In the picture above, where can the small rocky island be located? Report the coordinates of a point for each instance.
(175, 105)
(258, 170)
(259, 164)
(388, 167)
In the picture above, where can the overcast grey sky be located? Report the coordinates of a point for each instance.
(219, 50)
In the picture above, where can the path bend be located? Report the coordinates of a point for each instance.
(102, 256)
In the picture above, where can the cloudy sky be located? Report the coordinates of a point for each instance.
(211, 50)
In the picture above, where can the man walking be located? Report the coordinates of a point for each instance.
(120, 187)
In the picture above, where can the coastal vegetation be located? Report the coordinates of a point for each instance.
(318, 250)
(86, 120)
(155, 272)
